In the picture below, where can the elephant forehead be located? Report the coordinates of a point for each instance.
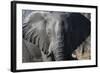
(53, 19)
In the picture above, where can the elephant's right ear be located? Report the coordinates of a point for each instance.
(31, 24)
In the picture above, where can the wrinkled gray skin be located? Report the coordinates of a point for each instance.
(45, 31)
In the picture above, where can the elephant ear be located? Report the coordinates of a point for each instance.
(34, 30)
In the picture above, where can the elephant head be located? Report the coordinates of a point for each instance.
(56, 34)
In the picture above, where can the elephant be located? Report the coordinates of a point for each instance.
(56, 35)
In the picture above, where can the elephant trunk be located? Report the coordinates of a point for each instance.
(59, 49)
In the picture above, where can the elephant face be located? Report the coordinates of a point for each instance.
(55, 31)
(56, 34)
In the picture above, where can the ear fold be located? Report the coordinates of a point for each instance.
(33, 17)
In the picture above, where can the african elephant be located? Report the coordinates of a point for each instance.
(55, 34)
